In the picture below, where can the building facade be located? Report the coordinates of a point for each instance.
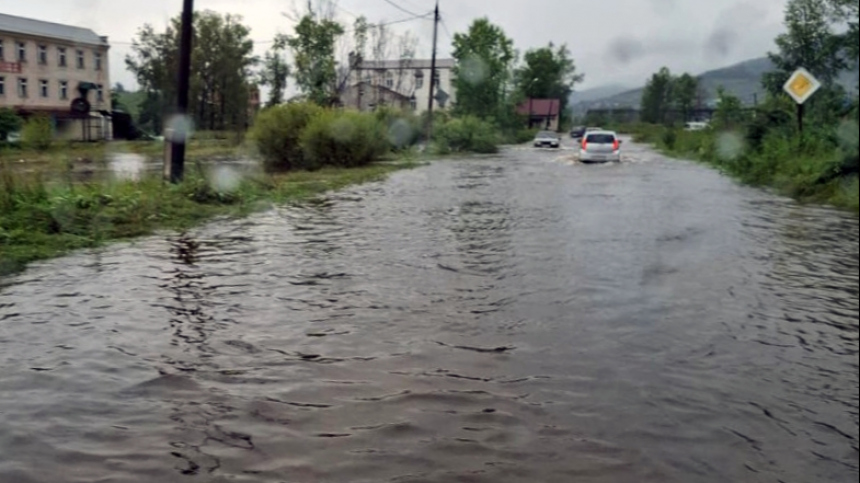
(400, 83)
(46, 68)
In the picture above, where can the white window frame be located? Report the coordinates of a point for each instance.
(100, 93)
(62, 57)
(97, 60)
(80, 59)
(64, 90)
(42, 54)
(23, 88)
(21, 51)
(44, 89)
(2, 86)
(2, 49)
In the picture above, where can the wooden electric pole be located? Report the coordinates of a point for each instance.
(179, 137)
(432, 73)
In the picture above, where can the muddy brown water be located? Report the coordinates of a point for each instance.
(508, 319)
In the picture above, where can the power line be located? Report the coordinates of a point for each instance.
(346, 31)
(398, 7)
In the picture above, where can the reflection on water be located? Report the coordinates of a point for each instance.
(499, 320)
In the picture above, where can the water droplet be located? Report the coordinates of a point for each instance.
(400, 134)
(848, 134)
(225, 179)
(179, 128)
(126, 166)
(473, 70)
(730, 145)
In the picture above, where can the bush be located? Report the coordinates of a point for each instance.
(403, 128)
(9, 123)
(276, 133)
(347, 139)
(37, 133)
(466, 134)
(669, 137)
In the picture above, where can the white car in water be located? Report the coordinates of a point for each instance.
(547, 139)
(600, 147)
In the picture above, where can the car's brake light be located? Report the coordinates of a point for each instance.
(616, 145)
(585, 144)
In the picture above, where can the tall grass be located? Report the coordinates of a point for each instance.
(40, 220)
(817, 166)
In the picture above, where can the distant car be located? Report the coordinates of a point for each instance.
(600, 147)
(577, 132)
(549, 139)
(696, 126)
(13, 138)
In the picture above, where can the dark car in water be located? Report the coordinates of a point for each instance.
(577, 132)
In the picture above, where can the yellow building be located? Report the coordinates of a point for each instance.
(56, 70)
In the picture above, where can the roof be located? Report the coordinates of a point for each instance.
(540, 107)
(37, 28)
(407, 64)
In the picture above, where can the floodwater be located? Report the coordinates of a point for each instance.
(511, 319)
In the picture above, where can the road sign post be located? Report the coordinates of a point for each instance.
(801, 86)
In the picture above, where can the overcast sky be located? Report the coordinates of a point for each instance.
(612, 41)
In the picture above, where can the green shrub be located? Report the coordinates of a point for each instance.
(9, 123)
(276, 133)
(347, 139)
(37, 133)
(669, 137)
(466, 134)
(403, 128)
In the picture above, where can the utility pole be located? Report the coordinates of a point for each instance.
(432, 73)
(179, 137)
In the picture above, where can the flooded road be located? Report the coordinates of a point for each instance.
(509, 319)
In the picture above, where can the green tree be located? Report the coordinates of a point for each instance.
(809, 42)
(549, 73)
(657, 97)
(222, 61)
(313, 45)
(276, 70)
(685, 93)
(730, 110)
(845, 13)
(9, 123)
(484, 58)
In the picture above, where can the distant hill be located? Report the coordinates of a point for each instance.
(742, 80)
(597, 93)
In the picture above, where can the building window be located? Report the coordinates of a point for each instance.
(437, 77)
(43, 88)
(100, 93)
(64, 90)
(2, 86)
(98, 60)
(389, 80)
(22, 88)
(43, 54)
(22, 52)
(62, 56)
(81, 60)
(2, 53)
(419, 82)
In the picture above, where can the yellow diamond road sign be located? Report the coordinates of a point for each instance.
(801, 86)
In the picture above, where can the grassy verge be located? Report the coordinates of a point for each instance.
(197, 149)
(812, 169)
(39, 220)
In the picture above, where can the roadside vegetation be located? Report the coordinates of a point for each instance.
(763, 145)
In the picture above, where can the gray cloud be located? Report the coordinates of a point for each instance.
(614, 41)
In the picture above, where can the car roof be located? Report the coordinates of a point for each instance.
(611, 133)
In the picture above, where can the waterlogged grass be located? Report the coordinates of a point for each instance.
(809, 170)
(202, 148)
(39, 220)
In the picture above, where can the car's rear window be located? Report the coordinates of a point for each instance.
(546, 134)
(601, 138)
